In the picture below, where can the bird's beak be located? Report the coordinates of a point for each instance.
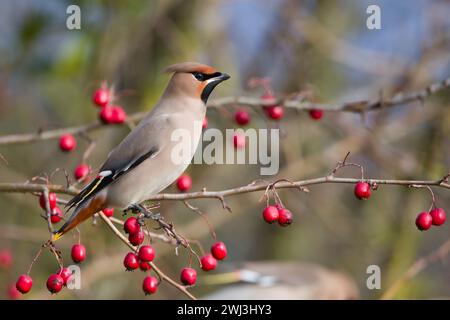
(211, 83)
(222, 77)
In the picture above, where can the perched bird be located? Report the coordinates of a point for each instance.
(142, 165)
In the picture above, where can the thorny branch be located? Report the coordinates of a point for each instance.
(298, 104)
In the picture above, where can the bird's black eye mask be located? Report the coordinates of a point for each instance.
(203, 76)
(217, 77)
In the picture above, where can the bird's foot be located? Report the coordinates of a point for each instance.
(137, 208)
(134, 208)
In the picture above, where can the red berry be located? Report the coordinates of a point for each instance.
(438, 215)
(51, 200)
(316, 114)
(205, 123)
(24, 283)
(106, 115)
(285, 217)
(65, 274)
(239, 141)
(13, 293)
(56, 215)
(275, 113)
(108, 212)
(242, 117)
(101, 97)
(150, 285)
(131, 226)
(136, 238)
(5, 258)
(188, 276)
(131, 261)
(81, 171)
(78, 253)
(270, 214)
(67, 142)
(208, 262)
(362, 190)
(184, 182)
(424, 221)
(144, 266)
(219, 250)
(146, 253)
(118, 115)
(55, 283)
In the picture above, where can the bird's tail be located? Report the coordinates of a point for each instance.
(81, 213)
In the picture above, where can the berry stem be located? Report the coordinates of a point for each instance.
(36, 257)
(203, 216)
(433, 198)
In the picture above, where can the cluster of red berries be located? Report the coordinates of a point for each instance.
(56, 281)
(109, 114)
(142, 258)
(435, 217)
(209, 261)
(146, 253)
(135, 233)
(278, 214)
(424, 220)
(55, 212)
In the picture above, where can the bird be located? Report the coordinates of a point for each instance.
(142, 165)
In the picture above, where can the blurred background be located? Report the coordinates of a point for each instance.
(48, 74)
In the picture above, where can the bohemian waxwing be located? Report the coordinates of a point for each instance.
(142, 164)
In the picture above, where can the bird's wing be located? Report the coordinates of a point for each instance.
(144, 142)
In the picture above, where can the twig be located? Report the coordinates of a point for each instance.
(48, 211)
(418, 266)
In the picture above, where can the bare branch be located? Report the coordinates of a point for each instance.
(298, 104)
(32, 188)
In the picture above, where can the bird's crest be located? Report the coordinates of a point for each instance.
(188, 67)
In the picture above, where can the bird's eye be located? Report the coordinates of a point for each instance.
(199, 76)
